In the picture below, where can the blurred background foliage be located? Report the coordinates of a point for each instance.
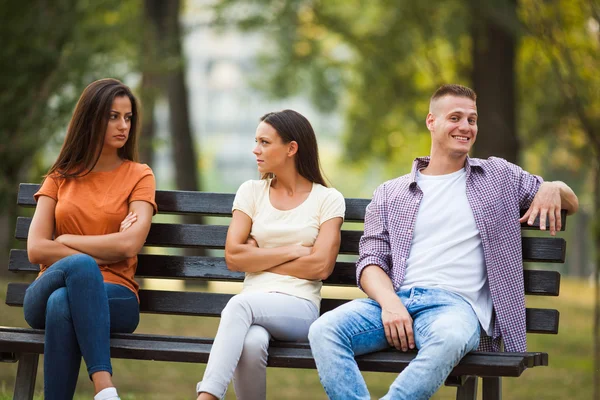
(370, 64)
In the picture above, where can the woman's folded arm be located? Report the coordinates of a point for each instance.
(320, 263)
(247, 257)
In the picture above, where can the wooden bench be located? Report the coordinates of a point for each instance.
(25, 345)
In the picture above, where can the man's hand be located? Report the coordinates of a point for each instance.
(546, 203)
(398, 325)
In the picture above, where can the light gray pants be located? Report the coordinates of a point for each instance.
(240, 349)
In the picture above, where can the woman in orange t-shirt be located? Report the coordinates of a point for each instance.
(93, 214)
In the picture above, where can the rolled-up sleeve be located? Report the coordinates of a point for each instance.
(527, 185)
(374, 245)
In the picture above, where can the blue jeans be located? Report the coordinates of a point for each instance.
(445, 329)
(78, 311)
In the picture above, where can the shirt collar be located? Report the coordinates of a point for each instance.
(422, 162)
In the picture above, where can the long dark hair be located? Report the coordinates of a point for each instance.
(293, 126)
(85, 135)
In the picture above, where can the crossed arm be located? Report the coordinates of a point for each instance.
(316, 262)
(106, 249)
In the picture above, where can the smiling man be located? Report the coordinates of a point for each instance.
(440, 260)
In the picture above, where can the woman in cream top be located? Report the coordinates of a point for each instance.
(285, 235)
(273, 228)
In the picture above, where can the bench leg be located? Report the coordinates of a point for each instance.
(8, 357)
(492, 388)
(468, 390)
(26, 374)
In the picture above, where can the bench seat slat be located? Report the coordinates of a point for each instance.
(185, 349)
(213, 236)
(211, 304)
(545, 283)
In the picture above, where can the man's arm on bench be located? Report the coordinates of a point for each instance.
(548, 201)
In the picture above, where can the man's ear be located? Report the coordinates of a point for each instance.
(293, 148)
(429, 121)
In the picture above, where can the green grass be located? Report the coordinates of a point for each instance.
(569, 375)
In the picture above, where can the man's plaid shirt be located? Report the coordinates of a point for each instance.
(496, 190)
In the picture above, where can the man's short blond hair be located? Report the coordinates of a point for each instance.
(454, 90)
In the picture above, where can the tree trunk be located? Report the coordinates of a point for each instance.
(165, 16)
(494, 82)
(596, 241)
(149, 89)
(146, 142)
(184, 154)
(183, 146)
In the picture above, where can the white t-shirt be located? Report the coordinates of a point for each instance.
(446, 250)
(274, 228)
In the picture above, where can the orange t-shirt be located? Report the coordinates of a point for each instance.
(96, 203)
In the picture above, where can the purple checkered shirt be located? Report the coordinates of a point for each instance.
(496, 190)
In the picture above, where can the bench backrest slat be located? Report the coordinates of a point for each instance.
(214, 269)
(219, 204)
(213, 236)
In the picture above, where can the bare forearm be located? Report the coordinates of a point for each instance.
(568, 198)
(48, 252)
(111, 247)
(309, 267)
(378, 285)
(248, 258)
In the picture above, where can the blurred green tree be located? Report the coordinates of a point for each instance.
(564, 48)
(50, 51)
(383, 59)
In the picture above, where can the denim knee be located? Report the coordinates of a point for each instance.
(318, 331)
(33, 316)
(58, 309)
(85, 267)
(457, 343)
(84, 262)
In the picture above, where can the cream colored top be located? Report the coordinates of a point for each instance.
(272, 227)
